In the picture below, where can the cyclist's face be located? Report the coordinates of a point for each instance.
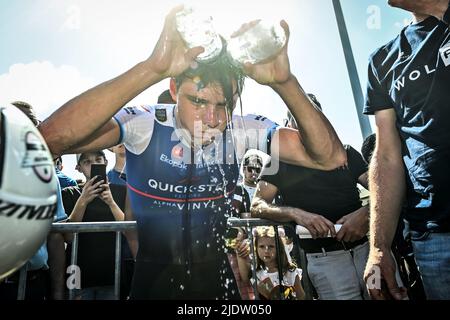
(203, 112)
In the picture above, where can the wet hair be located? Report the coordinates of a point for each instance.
(220, 71)
(166, 98)
(26, 108)
(368, 146)
(269, 231)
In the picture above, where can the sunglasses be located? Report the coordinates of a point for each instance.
(251, 169)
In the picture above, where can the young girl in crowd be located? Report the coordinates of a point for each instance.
(267, 267)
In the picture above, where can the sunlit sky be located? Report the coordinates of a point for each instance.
(52, 50)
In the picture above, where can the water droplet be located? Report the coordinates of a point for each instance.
(181, 287)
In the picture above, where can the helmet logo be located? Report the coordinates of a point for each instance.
(37, 157)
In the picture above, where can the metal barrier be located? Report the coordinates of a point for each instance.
(120, 226)
(86, 227)
(250, 223)
(89, 227)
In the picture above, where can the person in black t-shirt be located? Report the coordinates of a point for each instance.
(318, 200)
(408, 92)
(95, 201)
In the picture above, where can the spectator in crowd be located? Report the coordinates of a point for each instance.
(250, 171)
(180, 184)
(408, 94)
(64, 180)
(267, 269)
(318, 200)
(401, 246)
(95, 201)
(117, 174)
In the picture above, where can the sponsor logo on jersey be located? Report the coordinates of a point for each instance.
(173, 163)
(178, 152)
(210, 204)
(183, 189)
(130, 110)
(161, 115)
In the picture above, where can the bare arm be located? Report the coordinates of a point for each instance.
(300, 293)
(319, 146)
(93, 109)
(103, 138)
(387, 189)
(315, 144)
(262, 208)
(243, 256)
(387, 181)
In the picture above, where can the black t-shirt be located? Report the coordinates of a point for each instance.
(332, 194)
(96, 251)
(412, 75)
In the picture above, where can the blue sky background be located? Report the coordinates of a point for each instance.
(52, 50)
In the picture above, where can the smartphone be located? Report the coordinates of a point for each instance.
(100, 171)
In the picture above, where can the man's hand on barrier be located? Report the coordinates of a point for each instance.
(380, 276)
(317, 225)
(355, 225)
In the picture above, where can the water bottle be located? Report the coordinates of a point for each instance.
(197, 29)
(257, 44)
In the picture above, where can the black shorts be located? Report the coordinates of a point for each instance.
(202, 281)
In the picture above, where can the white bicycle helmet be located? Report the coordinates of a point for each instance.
(27, 190)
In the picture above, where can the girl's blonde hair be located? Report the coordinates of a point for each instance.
(269, 231)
